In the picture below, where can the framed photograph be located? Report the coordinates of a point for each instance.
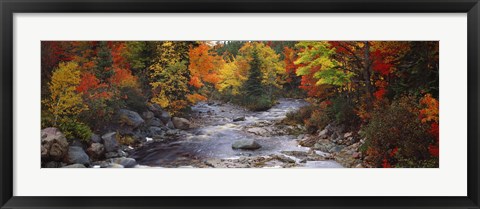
(237, 104)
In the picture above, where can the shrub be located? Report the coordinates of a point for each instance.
(125, 140)
(75, 130)
(342, 111)
(133, 99)
(397, 137)
(260, 103)
(318, 120)
(299, 116)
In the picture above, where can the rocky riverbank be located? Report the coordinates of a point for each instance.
(218, 135)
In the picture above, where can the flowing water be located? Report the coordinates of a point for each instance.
(214, 131)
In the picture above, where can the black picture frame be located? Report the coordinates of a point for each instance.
(9, 7)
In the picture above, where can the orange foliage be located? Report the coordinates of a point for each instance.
(123, 78)
(204, 66)
(194, 98)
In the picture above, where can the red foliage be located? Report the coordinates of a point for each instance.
(380, 64)
(380, 93)
(434, 150)
(394, 152)
(385, 163)
(88, 81)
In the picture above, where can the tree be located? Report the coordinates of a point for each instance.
(64, 100)
(103, 62)
(65, 103)
(169, 75)
(253, 85)
(204, 67)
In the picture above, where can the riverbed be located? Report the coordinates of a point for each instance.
(216, 126)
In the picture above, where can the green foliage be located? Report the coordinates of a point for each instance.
(74, 129)
(133, 99)
(342, 111)
(253, 85)
(258, 103)
(103, 62)
(397, 127)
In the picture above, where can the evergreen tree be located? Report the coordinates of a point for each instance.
(104, 62)
(253, 86)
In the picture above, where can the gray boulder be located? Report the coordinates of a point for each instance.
(54, 145)
(156, 131)
(96, 151)
(156, 122)
(170, 125)
(110, 141)
(115, 165)
(125, 162)
(129, 118)
(148, 115)
(248, 144)
(239, 119)
(95, 138)
(76, 155)
(75, 166)
(165, 117)
(181, 123)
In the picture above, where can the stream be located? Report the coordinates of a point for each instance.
(213, 131)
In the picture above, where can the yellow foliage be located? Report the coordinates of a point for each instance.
(231, 78)
(64, 100)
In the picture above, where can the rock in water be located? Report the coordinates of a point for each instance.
(130, 118)
(181, 123)
(110, 141)
(258, 131)
(239, 119)
(76, 155)
(54, 145)
(96, 151)
(125, 162)
(249, 144)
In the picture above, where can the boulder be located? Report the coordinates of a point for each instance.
(156, 122)
(129, 118)
(115, 165)
(76, 155)
(147, 115)
(125, 162)
(96, 151)
(181, 123)
(155, 109)
(164, 117)
(95, 138)
(258, 131)
(53, 164)
(248, 144)
(156, 131)
(170, 125)
(54, 145)
(239, 119)
(110, 141)
(308, 141)
(75, 166)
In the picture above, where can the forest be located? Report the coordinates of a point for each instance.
(240, 104)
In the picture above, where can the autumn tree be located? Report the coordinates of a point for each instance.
(65, 103)
(204, 67)
(169, 75)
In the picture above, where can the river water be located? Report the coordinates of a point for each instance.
(214, 131)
